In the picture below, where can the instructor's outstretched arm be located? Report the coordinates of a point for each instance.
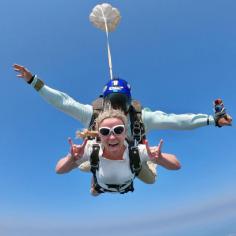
(58, 99)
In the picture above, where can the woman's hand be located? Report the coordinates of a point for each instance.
(77, 151)
(23, 72)
(169, 161)
(154, 152)
(68, 163)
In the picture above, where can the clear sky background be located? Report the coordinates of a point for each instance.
(178, 55)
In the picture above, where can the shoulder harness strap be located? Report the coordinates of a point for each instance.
(97, 108)
(134, 157)
(94, 158)
(94, 163)
(137, 125)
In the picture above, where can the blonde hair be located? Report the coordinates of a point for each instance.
(111, 113)
(108, 113)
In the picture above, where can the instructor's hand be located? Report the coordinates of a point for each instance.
(226, 120)
(23, 72)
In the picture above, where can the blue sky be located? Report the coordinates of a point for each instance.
(178, 57)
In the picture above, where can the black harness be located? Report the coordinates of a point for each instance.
(137, 136)
(135, 166)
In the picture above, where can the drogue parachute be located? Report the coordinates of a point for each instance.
(105, 17)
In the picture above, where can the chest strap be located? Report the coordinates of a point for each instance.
(113, 188)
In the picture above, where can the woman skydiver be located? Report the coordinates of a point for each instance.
(112, 167)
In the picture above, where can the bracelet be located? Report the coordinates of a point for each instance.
(31, 80)
(208, 122)
(39, 84)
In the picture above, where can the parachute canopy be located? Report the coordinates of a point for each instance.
(104, 15)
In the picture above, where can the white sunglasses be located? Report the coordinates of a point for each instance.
(116, 130)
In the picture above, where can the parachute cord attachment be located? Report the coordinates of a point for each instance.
(108, 45)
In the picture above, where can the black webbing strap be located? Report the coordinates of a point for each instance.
(134, 157)
(136, 123)
(129, 188)
(94, 158)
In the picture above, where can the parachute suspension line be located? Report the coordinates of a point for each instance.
(108, 45)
